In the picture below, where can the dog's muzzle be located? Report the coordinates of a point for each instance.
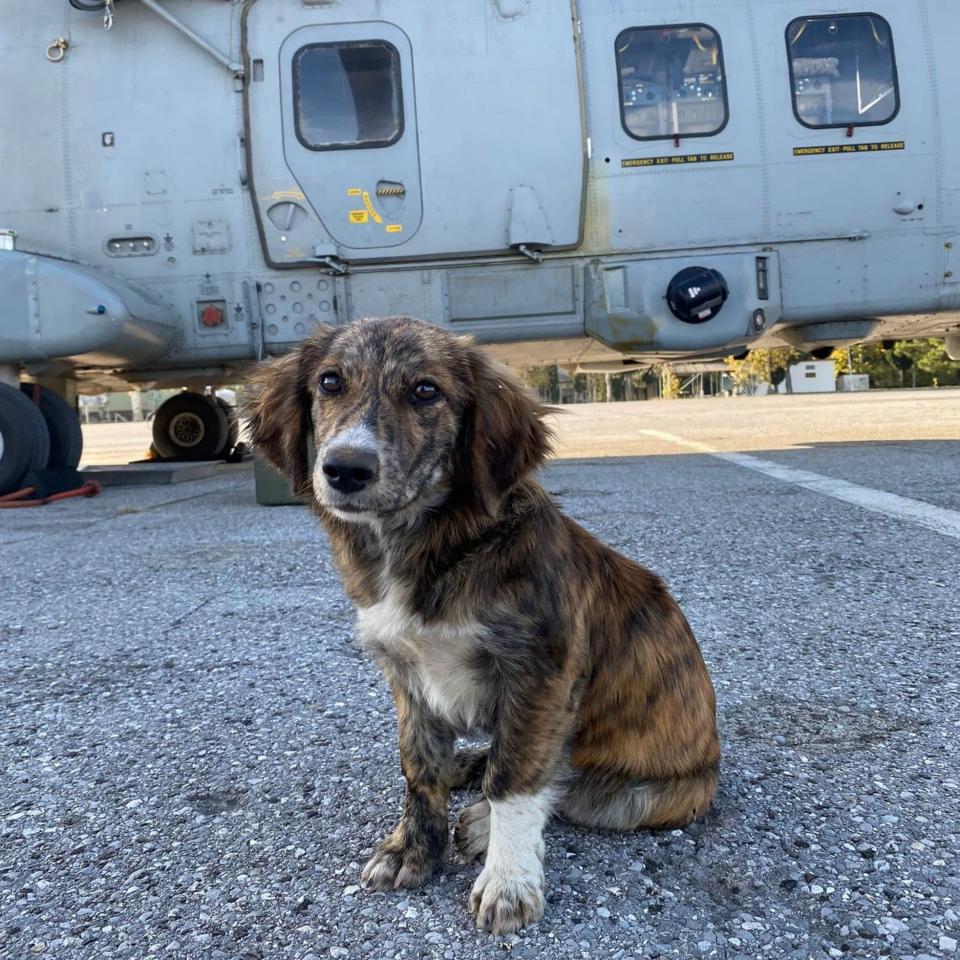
(350, 469)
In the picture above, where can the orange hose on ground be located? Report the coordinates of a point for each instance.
(19, 497)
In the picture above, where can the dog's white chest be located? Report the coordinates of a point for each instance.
(437, 661)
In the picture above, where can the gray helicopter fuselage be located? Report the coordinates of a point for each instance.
(203, 183)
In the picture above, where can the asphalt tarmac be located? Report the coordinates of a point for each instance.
(196, 761)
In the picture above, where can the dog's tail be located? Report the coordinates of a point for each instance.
(596, 799)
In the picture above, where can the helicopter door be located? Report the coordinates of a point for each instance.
(349, 131)
(455, 129)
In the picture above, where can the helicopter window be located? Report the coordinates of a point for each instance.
(347, 95)
(843, 70)
(671, 82)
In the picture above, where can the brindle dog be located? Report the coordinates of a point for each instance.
(487, 609)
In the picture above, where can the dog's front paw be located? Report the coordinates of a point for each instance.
(395, 865)
(472, 834)
(503, 903)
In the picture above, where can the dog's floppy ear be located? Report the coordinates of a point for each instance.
(504, 437)
(278, 407)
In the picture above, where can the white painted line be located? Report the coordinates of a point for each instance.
(939, 519)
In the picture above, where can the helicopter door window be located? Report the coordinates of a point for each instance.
(842, 70)
(347, 95)
(671, 82)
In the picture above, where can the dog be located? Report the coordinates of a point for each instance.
(486, 608)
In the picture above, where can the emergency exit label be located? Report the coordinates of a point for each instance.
(675, 160)
(835, 149)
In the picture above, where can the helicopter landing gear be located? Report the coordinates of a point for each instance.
(233, 424)
(62, 422)
(24, 438)
(194, 426)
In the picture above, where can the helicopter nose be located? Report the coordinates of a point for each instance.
(349, 469)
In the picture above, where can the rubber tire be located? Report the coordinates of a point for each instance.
(233, 425)
(213, 437)
(63, 426)
(26, 443)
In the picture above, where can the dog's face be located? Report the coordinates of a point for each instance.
(386, 411)
(402, 416)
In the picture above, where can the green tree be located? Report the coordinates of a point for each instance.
(923, 363)
(669, 381)
(759, 365)
(929, 357)
(545, 380)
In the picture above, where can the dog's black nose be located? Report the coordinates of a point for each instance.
(349, 469)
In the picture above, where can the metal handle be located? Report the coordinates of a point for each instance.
(58, 49)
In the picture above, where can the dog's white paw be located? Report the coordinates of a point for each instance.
(503, 903)
(473, 831)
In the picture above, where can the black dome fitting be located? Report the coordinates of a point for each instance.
(697, 294)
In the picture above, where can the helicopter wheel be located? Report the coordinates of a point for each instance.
(233, 424)
(190, 426)
(63, 425)
(24, 439)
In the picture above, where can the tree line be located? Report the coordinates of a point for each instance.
(904, 363)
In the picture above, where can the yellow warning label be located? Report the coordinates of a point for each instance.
(836, 149)
(287, 195)
(675, 160)
(394, 228)
(354, 192)
(358, 216)
(373, 213)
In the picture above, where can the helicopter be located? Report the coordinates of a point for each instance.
(189, 186)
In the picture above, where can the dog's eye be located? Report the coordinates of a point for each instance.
(426, 392)
(330, 382)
